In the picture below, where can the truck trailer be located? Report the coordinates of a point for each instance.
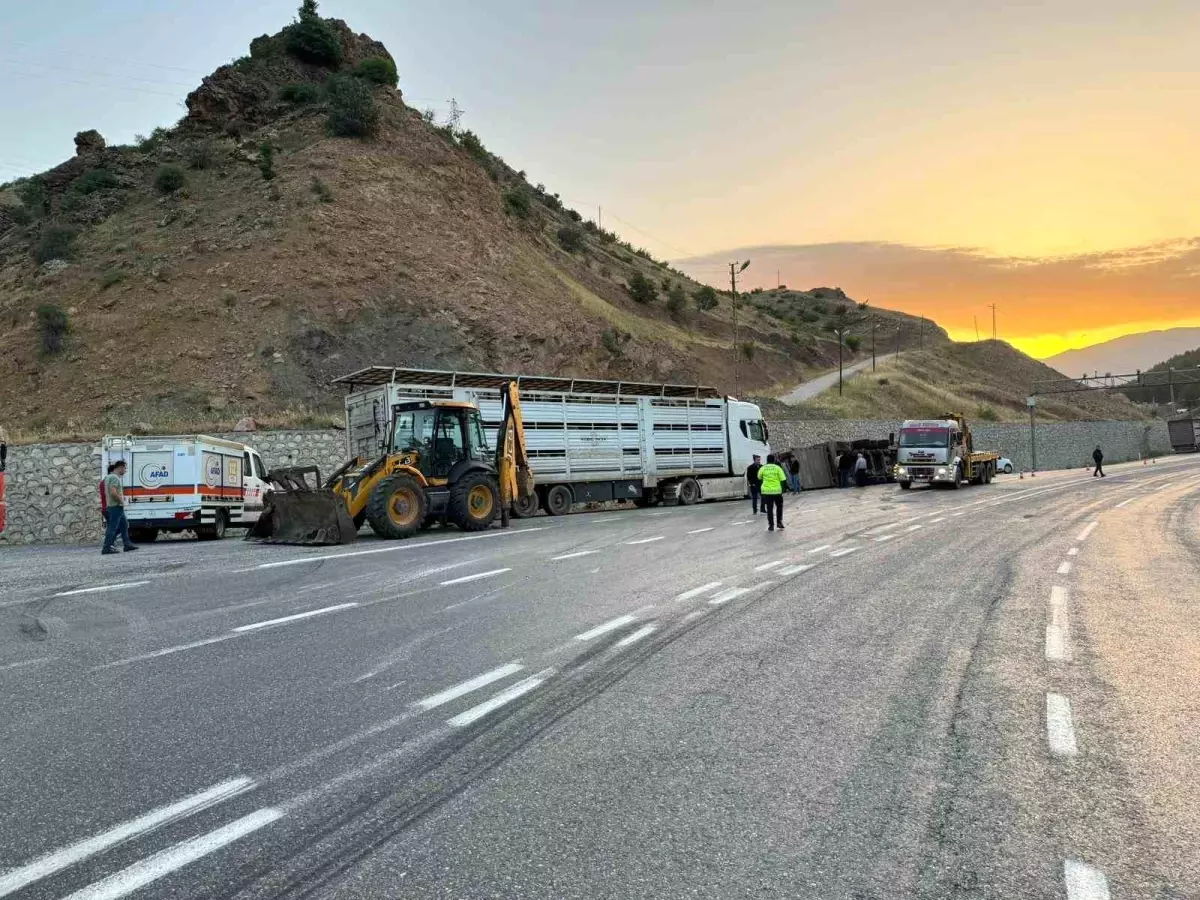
(941, 452)
(588, 440)
(187, 483)
(1185, 435)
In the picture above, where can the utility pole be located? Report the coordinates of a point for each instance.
(874, 324)
(735, 269)
(1032, 401)
(976, 318)
(922, 343)
(600, 217)
(993, 321)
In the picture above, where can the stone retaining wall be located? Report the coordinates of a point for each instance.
(52, 488)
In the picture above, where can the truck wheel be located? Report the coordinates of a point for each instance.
(650, 497)
(525, 507)
(397, 507)
(906, 485)
(559, 500)
(689, 492)
(215, 531)
(474, 501)
(957, 483)
(143, 535)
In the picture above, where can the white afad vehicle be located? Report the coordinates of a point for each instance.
(588, 440)
(192, 483)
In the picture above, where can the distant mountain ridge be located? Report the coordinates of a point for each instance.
(1126, 354)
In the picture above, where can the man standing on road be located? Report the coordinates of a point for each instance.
(118, 525)
(754, 485)
(860, 471)
(104, 494)
(794, 475)
(772, 477)
(1098, 456)
(845, 465)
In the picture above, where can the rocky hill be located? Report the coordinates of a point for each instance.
(302, 221)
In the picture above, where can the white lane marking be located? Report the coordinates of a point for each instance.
(1074, 551)
(886, 537)
(575, 555)
(794, 570)
(697, 591)
(610, 625)
(1058, 606)
(1060, 727)
(25, 662)
(956, 515)
(1124, 502)
(1084, 882)
(102, 588)
(1086, 533)
(149, 870)
(888, 527)
(453, 693)
(15, 879)
(603, 519)
(649, 540)
(1064, 567)
(505, 696)
(771, 565)
(701, 530)
(914, 527)
(937, 520)
(179, 648)
(726, 596)
(400, 545)
(743, 522)
(475, 577)
(636, 636)
(254, 626)
(1056, 644)
(1163, 487)
(819, 549)
(845, 551)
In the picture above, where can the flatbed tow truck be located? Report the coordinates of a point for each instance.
(941, 452)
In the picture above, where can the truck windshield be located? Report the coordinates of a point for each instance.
(924, 437)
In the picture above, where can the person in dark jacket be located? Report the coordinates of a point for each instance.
(845, 469)
(1098, 456)
(754, 484)
(860, 471)
(793, 470)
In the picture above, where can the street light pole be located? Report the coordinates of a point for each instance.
(1032, 401)
(874, 322)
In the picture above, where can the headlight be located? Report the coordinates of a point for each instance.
(942, 470)
(901, 470)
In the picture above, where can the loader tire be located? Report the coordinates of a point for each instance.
(397, 507)
(474, 501)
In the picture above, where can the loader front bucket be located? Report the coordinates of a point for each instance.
(295, 513)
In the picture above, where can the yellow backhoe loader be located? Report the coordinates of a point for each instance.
(437, 468)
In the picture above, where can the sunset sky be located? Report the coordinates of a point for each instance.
(936, 157)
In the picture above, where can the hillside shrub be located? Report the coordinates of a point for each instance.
(322, 191)
(352, 110)
(94, 180)
(853, 342)
(299, 93)
(378, 69)
(748, 350)
(575, 217)
(705, 298)
(52, 327)
(56, 242)
(266, 160)
(820, 308)
(810, 316)
(987, 413)
(641, 288)
(35, 196)
(570, 238)
(169, 179)
(614, 340)
(109, 278)
(200, 154)
(312, 40)
(20, 215)
(676, 299)
(518, 203)
(470, 142)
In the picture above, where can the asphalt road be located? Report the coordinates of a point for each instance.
(822, 383)
(988, 693)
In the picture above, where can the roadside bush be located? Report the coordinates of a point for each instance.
(853, 342)
(705, 298)
(56, 242)
(987, 413)
(321, 189)
(311, 39)
(200, 154)
(676, 299)
(470, 142)
(641, 288)
(378, 69)
(94, 180)
(52, 327)
(35, 196)
(748, 350)
(570, 238)
(517, 203)
(352, 111)
(299, 93)
(20, 214)
(266, 160)
(169, 179)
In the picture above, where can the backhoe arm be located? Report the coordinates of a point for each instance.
(512, 455)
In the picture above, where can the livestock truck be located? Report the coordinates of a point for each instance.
(187, 483)
(941, 452)
(588, 440)
(1184, 434)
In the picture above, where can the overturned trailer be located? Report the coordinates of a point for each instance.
(820, 464)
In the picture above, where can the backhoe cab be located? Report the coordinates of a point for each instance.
(437, 468)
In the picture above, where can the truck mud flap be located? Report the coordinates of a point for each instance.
(303, 517)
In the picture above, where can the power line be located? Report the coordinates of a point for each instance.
(73, 54)
(58, 68)
(93, 84)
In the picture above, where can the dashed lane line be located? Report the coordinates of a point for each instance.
(149, 870)
(102, 588)
(15, 879)
(606, 627)
(399, 545)
(453, 693)
(649, 540)
(794, 570)
(506, 696)
(845, 551)
(697, 591)
(771, 565)
(166, 651)
(885, 538)
(575, 555)
(1124, 502)
(1074, 551)
(701, 530)
(914, 527)
(1060, 726)
(733, 593)
(819, 549)
(254, 626)
(645, 631)
(1084, 882)
(476, 577)
(25, 662)
(1087, 532)
(1064, 568)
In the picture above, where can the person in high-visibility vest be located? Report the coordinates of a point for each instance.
(772, 477)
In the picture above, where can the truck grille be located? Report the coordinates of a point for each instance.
(920, 471)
